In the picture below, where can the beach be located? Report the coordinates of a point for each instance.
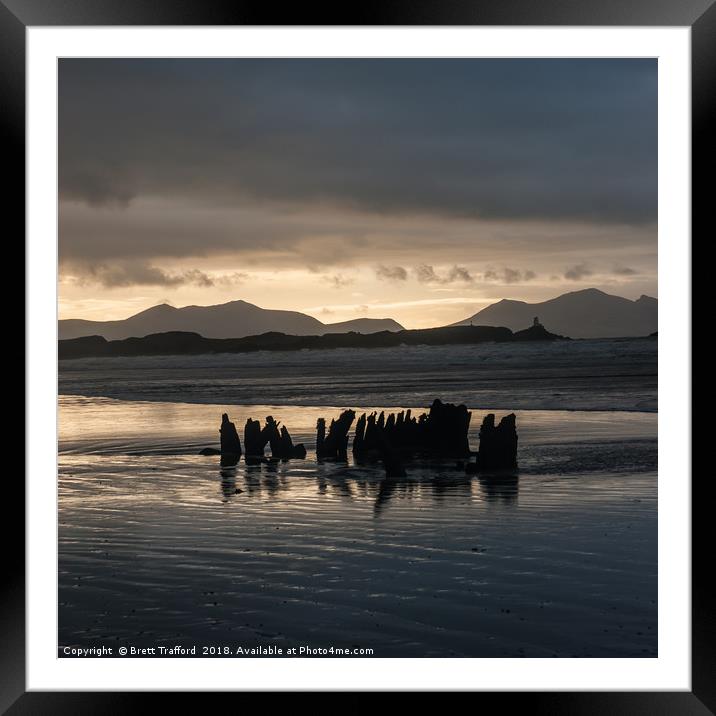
(160, 546)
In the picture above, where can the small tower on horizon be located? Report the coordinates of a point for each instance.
(535, 321)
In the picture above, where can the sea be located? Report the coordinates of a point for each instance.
(162, 546)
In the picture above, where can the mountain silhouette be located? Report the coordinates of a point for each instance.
(589, 313)
(235, 319)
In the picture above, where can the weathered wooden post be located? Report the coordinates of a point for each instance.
(335, 444)
(320, 437)
(498, 444)
(359, 437)
(254, 439)
(230, 442)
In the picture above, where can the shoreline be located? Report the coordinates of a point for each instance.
(362, 406)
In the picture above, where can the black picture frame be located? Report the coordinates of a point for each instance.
(699, 15)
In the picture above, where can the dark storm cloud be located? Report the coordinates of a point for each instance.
(506, 139)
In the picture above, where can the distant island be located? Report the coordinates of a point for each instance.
(188, 343)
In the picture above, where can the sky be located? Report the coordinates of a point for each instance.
(415, 189)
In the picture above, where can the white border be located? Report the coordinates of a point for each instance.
(671, 670)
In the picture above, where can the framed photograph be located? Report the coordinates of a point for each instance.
(363, 346)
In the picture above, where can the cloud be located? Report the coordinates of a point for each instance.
(391, 273)
(459, 273)
(161, 232)
(427, 274)
(545, 139)
(315, 162)
(578, 272)
(508, 275)
(339, 280)
(252, 164)
(229, 279)
(123, 274)
(624, 271)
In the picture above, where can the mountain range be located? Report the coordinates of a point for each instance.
(235, 319)
(589, 313)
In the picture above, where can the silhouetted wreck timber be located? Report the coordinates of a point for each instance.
(320, 436)
(255, 439)
(498, 445)
(297, 451)
(282, 446)
(442, 432)
(447, 427)
(359, 437)
(230, 442)
(334, 445)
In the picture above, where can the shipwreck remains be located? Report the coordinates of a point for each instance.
(230, 442)
(334, 445)
(280, 441)
(275, 435)
(442, 432)
(255, 439)
(498, 445)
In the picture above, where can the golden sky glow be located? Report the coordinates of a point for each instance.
(399, 286)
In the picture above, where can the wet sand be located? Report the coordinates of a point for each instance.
(160, 546)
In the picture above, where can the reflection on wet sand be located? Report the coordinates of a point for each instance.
(265, 478)
(500, 488)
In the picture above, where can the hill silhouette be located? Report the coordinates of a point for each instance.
(235, 319)
(589, 313)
